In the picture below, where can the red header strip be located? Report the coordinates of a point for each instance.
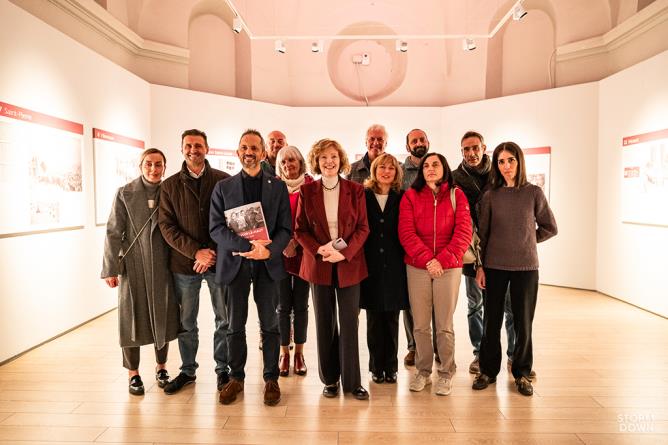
(113, 137)
(222, 152)
(23, 114)
(529, 151)
(537, 151)
(645, 137)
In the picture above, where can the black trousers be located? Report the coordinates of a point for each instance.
(382, 338)
(131, 356)
(293, 298)
(338, 351)
(523, 297)
(265, 294)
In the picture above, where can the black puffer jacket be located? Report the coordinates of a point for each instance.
(474, 182)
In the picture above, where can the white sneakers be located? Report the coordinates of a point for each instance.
(443, 386)
(419, 382)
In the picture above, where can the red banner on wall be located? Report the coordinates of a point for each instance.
(222, 152)
(23, 114)
(537, 151)
(113, 137)
(645, 137)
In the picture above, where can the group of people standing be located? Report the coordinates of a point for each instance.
(375, 234)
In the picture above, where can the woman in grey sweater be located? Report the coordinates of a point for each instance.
(514, 216)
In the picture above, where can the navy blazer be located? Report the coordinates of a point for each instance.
(228, 194)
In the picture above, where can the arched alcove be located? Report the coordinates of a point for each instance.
(527, 48)
(212, 55)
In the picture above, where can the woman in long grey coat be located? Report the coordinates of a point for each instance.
(136, 259)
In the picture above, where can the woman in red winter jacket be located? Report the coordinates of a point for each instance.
(435, 237)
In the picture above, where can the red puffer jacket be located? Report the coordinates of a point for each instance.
(429, 228)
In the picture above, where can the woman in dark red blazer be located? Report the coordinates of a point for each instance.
(331, 226)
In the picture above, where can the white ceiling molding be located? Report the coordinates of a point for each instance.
(98, 19)
(645, 20)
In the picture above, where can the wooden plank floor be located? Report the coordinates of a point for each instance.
(602, 379)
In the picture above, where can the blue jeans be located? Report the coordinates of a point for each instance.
(187, 294)
(475, 304)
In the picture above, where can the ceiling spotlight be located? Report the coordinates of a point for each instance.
(237, 26)
(401, 45)
(279, 46)
(316, 47)
(468, 45)
(519, 12)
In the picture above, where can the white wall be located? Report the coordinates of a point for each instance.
(564, 119)
(561, 118)
(632, 258)
(50, 282)
(223, 119)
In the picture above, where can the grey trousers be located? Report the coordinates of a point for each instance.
(131, 356)
(338, 349)
(437, 296)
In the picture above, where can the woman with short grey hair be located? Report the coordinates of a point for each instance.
(293, 291)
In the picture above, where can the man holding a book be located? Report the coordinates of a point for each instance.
(253, 255)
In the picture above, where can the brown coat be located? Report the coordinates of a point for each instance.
(311, 232)
(184, 216)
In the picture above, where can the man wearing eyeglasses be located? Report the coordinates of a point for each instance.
(472, 176)
(376, 141)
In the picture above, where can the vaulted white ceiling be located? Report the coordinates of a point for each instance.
(190, 44)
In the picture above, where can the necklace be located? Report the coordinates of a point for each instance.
(329, 189)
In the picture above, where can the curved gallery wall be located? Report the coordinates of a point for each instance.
(50, 280)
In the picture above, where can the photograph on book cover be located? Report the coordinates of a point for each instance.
(248, 221)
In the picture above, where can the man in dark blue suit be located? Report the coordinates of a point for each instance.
(240, 262)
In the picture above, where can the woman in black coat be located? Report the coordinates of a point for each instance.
(384, 293)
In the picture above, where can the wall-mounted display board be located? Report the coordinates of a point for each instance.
(645, 178)
(40, 172)
(225, 160)
(116, 164)
(537, 160)
(538, 167)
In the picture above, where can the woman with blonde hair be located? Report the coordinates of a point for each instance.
(384, 292)
(293, 291)
(331, 227)
(136, 261)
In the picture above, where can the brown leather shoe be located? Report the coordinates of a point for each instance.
(230, 391)
(284, 365)
(409, 360)
(300, 364)
(272, 393)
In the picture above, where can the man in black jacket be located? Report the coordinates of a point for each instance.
(472, 176)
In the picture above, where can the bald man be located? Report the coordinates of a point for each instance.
(275, 141)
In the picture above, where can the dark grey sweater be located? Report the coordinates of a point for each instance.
(511, 222)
